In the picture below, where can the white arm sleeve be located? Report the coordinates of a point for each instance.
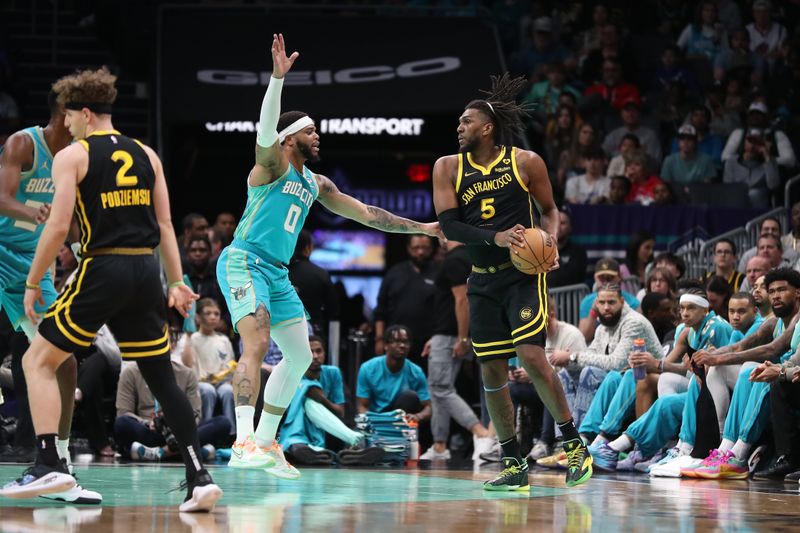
(270, 112)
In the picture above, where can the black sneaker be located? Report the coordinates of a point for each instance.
(306, 455)
(513, 477)
(363, 457)
(18, 454)
(579, 462)
(38, 480)
(793, 477)
(779, 470)
(201, 495)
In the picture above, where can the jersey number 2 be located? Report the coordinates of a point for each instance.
(487, 209)
(292, 217)
(123, 180)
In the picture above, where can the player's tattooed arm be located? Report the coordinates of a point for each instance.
(345, 205)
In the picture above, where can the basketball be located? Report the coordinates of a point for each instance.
(538, 254)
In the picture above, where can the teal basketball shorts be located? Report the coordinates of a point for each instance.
(248, 280)
(14, 268)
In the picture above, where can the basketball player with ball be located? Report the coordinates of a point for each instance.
(485, 197)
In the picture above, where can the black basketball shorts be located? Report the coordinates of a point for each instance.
(507, 308)
(123, 292)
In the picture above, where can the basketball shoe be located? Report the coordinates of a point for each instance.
(513, 477)
(248, 454)
(40, 479)
(579, 462)
(280, 467)
(202, 494)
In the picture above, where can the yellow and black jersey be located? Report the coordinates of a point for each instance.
(115, 204)
(493, 197)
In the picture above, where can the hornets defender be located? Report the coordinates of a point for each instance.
(252, 270)
(26, 192)
(484, 197)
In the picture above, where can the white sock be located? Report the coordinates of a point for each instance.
(685, 448)
(621, 444)
(598, 440)
(267, 429)
(244, 421)
(62, 446)
(741, 450)
(330, 423)
(726, 445)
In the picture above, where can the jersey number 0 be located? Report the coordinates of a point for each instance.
(292, 217)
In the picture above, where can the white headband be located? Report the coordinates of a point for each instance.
(298, 125)
(694, 299)
(490, 106)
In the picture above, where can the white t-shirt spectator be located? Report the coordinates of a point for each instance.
(582, 190)
(773, 38)
(568, 338)
(212, 353)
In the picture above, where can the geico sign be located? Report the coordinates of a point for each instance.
(412, 69)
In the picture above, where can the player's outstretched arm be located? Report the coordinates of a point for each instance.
(271, 163)
(345, 205)
(180, 296)
(17, 153)
(67, 166)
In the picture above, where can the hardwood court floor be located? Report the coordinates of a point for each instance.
(331, 500)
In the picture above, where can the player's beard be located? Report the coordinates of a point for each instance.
(469, 146)
(784, 310)
(611, 321)
(305, 149)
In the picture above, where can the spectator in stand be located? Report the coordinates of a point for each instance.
(766, 35)
(591, 38)
(755, 269)
(705, 36)
(545, 95)
(618, 190)
(673, 70)
(631, 114)
(725, 265)
(776, 143)
(688, 165)
(707, 142)
(659, 309)
(643, 183)
(611, 48)
(546, 49)
(672, 262)
(629, 143)
(194, 225)
(612, 90)
(407, 290)
(738, 61)
(218, 240)
(719, 292)
(769, 226)
(569, 163)
(659, 280)
(756, 168)
(313, 285)
(202, 277)
(226, 222)
(9, 112)
(210, 355)
(723, 121)
(560, 134)
(592, 186)
(606, 272)
(571, 256)
(770, 247)
(663, 195)
(729, 14)
(638, 255)
(391, 381)
(791, 241)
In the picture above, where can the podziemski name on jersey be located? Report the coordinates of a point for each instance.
(296, 189)
(484, 186)
(125, 197)
(40, 185)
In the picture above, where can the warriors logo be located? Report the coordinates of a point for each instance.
(526, 313)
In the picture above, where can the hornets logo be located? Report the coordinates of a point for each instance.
(240, 292)
(526, 313)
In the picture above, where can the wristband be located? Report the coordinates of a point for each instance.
(32, 286)
(661, 366)
(593, 314)
(176, 284)
(464, 340)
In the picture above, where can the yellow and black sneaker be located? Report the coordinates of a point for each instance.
(579, 462)
(513, 477)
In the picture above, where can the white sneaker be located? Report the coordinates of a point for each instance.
(540, 449)
(247, 454)
(76, 494)
(672, 468)
(281, 467)
(140, 452)
(481, 445)
(493, 455)
(432, 455)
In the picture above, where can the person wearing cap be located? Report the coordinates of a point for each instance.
(606, 271)
(708, 143)
(545, 49)
(756, 168)
(688, 165)
(631, 114)
(766, 35)
(758, 119)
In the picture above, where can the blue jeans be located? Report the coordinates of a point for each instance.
(128, 429)
(210, 394)
(580, 389)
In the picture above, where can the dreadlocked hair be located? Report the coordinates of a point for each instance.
(502, 108)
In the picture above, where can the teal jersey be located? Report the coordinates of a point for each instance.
(714, 332)
(275, 213)
(35, 188)
(737, 335)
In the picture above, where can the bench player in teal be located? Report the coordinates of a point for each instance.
(26, 191)
(252, 272)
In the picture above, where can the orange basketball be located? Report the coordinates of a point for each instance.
(538, 254)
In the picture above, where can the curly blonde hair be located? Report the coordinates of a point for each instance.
(87, 87)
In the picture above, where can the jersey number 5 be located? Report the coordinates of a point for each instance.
(123, 180)
(292, 217)
(487, 209)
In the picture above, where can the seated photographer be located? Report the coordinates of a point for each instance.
(140, 429)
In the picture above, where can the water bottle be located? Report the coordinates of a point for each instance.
(639, 372)
(413, 443)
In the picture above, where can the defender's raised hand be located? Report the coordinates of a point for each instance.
(281, 63)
